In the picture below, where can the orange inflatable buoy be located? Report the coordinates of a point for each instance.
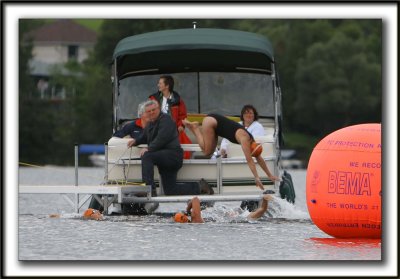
(344, 182)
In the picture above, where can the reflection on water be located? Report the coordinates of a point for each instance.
(348, 242)
(284, 233)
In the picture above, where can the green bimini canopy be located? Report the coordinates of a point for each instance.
(184, 50)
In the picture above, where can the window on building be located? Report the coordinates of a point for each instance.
(72, 52)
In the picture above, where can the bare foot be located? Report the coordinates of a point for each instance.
(274, 178)
(190, 125)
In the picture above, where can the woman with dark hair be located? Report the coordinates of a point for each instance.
(172, 103)
(248, 117)
(215, 125)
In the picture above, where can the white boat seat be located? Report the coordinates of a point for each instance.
(118, 149)
(124, 163)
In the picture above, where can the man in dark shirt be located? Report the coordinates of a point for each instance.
(163, 151)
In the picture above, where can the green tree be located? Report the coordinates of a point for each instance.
(329, 69)
(34, 116)
(337, 85)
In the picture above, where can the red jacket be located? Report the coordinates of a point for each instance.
(177, 107)
(178, 112)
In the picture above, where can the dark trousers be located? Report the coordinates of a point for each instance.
(168, 163)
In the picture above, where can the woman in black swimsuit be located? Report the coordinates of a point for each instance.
(215, 125)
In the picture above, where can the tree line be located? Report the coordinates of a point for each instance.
(329, 70)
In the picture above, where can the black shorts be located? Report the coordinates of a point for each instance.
(227, 128)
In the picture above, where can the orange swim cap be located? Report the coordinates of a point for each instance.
(91, 213)
(256, 149)
(181, 218)
(88, 212)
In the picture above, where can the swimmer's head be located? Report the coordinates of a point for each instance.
(181, 218)
(91, 213)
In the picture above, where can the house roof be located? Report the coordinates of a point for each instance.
(63, 31)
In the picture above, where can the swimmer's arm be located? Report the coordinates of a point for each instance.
(264, 166)
(252, 166)
(189, 206)
(253, 169)
(259, 212)
(196, 210)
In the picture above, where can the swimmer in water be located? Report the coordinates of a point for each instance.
(92, 214)
(215, 125)
(194, 209)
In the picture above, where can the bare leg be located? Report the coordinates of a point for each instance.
(206, 137)
(195, 129)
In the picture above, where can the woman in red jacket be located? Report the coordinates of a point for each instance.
(172, 103)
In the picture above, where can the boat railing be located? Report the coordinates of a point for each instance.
(125, 164)
(109, 193)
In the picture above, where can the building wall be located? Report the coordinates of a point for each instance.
(55, 54)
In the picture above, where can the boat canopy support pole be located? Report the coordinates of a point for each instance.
(277, 99)
(134, 199)
(219, 174)
(76, 178)
(105, 162)
(115, 95)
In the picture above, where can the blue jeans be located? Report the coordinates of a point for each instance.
(168, 163)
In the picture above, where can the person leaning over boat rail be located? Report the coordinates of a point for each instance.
(172, 103)
(194, 210)
(249, 119)
(215, 125)
(163, 151)
(135, 128)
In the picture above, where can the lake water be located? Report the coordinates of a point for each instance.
(285, 233)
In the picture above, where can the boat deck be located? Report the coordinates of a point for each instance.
(126, 194)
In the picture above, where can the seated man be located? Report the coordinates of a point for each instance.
(135, 128)
(163, 150)
(194, 210)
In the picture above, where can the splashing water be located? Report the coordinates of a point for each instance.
(285, 231)
(280, 208)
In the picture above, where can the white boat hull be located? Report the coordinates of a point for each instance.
(232, 174)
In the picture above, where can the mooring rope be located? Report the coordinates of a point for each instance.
(126, 173)
(123, 182)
